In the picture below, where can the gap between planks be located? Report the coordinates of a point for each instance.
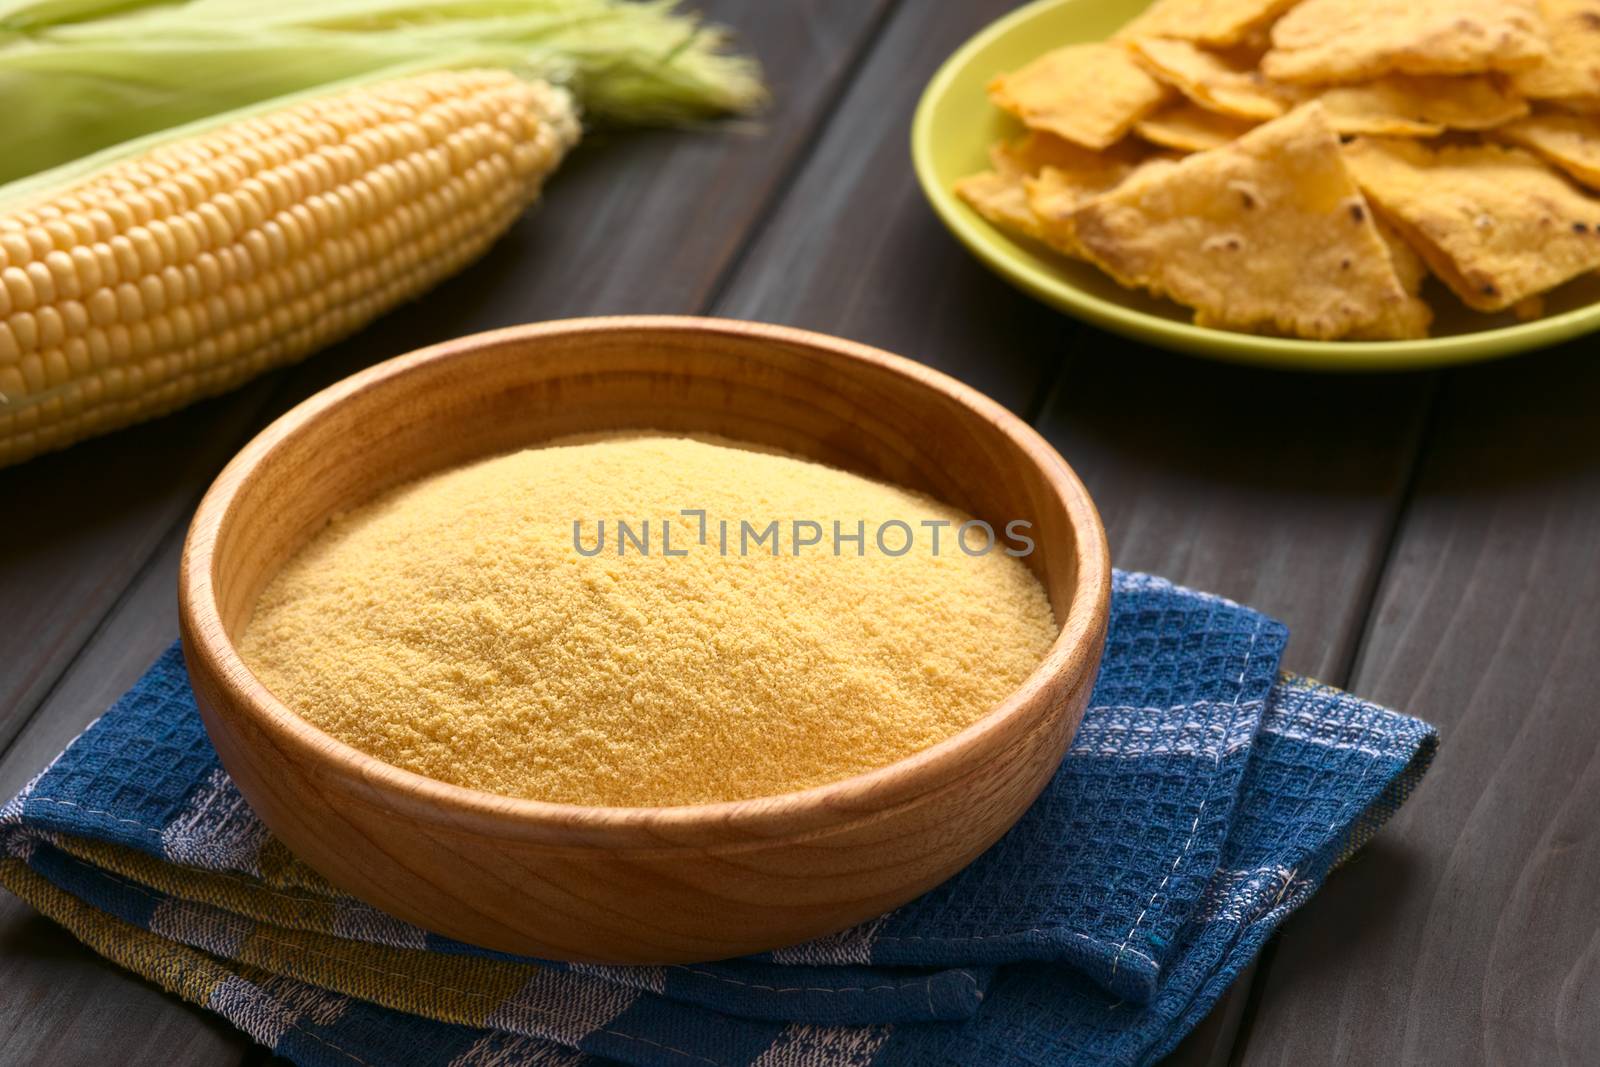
(1252, 985)
(694, 162)
(281, 382)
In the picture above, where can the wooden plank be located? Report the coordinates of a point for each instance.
(647, 221)
(618, 204)
(81, 524)
(639, 222)
(138, 629)
(59, 1002)
(64, 1005)
(1212, 1042)
(854, 249)
(1468, 932)
(1278, 490)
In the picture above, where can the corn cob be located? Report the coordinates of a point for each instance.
(184, 271)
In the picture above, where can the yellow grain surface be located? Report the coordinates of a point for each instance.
(450, 628)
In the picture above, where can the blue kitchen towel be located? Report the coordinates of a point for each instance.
(1204, 797)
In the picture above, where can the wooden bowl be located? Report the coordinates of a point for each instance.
(637, 885)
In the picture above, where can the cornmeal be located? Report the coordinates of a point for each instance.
(463, 628)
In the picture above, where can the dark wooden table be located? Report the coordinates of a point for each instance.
(1433, 541)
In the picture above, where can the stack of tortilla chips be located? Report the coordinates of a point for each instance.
(1298, 168)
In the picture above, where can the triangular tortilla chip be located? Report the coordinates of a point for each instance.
(1001, 199)
(1409, 266)
(1058, 192)
(1266, 234)
(1571, 142)
(1091, 94)
(1035, 150)
(1210, 80)
(1495, 224)
(1413, 317)
(999, 194)
(1188, 127)
(1218, 23)
(1402, 322)
(1420, 105)
(1322, 41)
(1571, 76)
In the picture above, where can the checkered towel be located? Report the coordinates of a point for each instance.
(1204, 798)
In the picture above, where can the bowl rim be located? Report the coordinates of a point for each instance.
(1288, 353)
(1073, 654)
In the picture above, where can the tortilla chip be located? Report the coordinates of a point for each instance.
(1528, 308)
(1408, 263)
(1412, 318)
(1091, 94)
(1322, 41)
(1210, 80)
(1251, 47)
(1000, 199)
(1268, 233)
(1209, 22)
(1495, 224)
(1571, 142)
(1058, 192)
(1402, 322)
(1572, 73)
(1000, 196)
(1352, 118)
(1188, 127)
(1420, 105)
(1035, 150)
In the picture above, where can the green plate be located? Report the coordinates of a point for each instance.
(950, 137)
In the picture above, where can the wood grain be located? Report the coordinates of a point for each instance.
(1469, 932)
(72, 1006)
(855, 250)
(612, 234)
(63, 1007)
(852, 250)
(82, 524)
(1277, 490)
(98, 527)
(1280, 490)
(638, 885)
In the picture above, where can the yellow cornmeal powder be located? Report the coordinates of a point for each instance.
(452, 628)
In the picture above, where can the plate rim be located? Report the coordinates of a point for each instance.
(1025, 273)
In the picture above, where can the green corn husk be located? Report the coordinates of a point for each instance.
(75, 79)
(20, 17)
(19, 193)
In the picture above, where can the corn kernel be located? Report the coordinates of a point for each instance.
(185, 271)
